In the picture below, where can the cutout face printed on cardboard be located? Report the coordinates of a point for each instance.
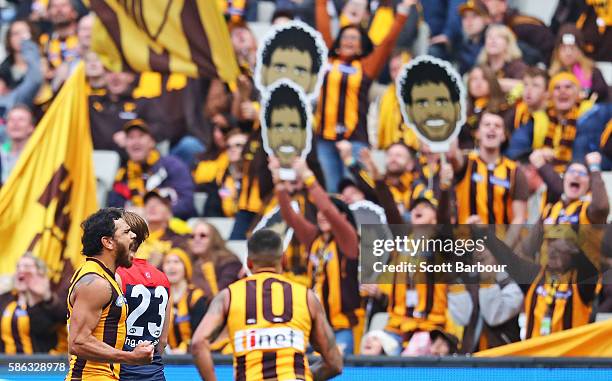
(292, 51)
(286, 124)
(432, 100)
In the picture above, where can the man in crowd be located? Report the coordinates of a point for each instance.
(112, 107)
(399, 177)
(166, 231)
(19, 128)
(528, 113)
(489, 184)
(573, 206)
(146, 170)
(474, 21)
(62, 44)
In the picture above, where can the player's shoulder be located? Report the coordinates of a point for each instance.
(143, 273)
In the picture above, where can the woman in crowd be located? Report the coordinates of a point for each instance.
(220, 174)
(334, 250)
(30, 313)
(215, 266)
(343, 104)
(484, 92)
(189, 303)
(501, 54)
(14, 66)
(569, 56)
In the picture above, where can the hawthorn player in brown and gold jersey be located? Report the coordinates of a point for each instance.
(96, 306)
(270, 321)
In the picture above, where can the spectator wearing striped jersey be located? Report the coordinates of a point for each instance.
(188, 303)
(31, 312)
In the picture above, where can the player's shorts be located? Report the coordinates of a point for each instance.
(151, 372)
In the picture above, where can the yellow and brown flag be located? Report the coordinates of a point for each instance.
(167, 36)
(52, 188)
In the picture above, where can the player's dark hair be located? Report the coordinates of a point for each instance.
(535, 71)
(293, 38)
(285, 96)
(425, 72)
(98, 225)
(265, 247)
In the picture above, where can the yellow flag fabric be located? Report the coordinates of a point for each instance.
(591, 340)
(167, 36)
(52, 188)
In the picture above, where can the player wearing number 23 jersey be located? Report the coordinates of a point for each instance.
(147, 291)
(270, 322)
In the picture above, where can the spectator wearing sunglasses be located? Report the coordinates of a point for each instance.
(583, 200)
(214, 265)
(220, 174)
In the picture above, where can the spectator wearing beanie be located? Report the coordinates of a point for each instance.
(569, 56)
(189, 304)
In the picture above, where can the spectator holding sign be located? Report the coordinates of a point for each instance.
(341, 111)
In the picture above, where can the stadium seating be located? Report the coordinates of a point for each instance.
(106, 164)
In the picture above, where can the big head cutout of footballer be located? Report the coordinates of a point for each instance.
(292, 51)
(432, 101)
(286, 125)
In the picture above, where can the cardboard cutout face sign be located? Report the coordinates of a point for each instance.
(286, 125)
(432, 100)
(292, 51)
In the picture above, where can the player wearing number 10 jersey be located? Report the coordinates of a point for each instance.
(147, 292)
(270, 321)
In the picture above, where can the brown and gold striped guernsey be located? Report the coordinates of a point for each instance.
(558, 301)
(335, 281)
(110, 329)
(572, 213)
(14, 326)
(180, 328)
(486, 190)
(269, 327)
(343, 103)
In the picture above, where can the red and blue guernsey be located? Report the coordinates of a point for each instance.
(147, 290)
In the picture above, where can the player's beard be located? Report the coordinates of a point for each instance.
(123, 256)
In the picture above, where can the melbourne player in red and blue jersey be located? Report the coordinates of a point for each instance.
(147, 292)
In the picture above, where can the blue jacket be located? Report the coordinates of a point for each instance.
(589, 128)
(167, 172)
(442, 16)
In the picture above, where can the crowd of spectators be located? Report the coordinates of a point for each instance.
(532, 150)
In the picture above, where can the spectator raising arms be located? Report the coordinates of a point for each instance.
(342, 108)
(30, 311)
(334, 251)
(489, 184)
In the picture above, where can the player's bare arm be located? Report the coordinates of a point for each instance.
(209, 327)
(91, 294)
(323, 341)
